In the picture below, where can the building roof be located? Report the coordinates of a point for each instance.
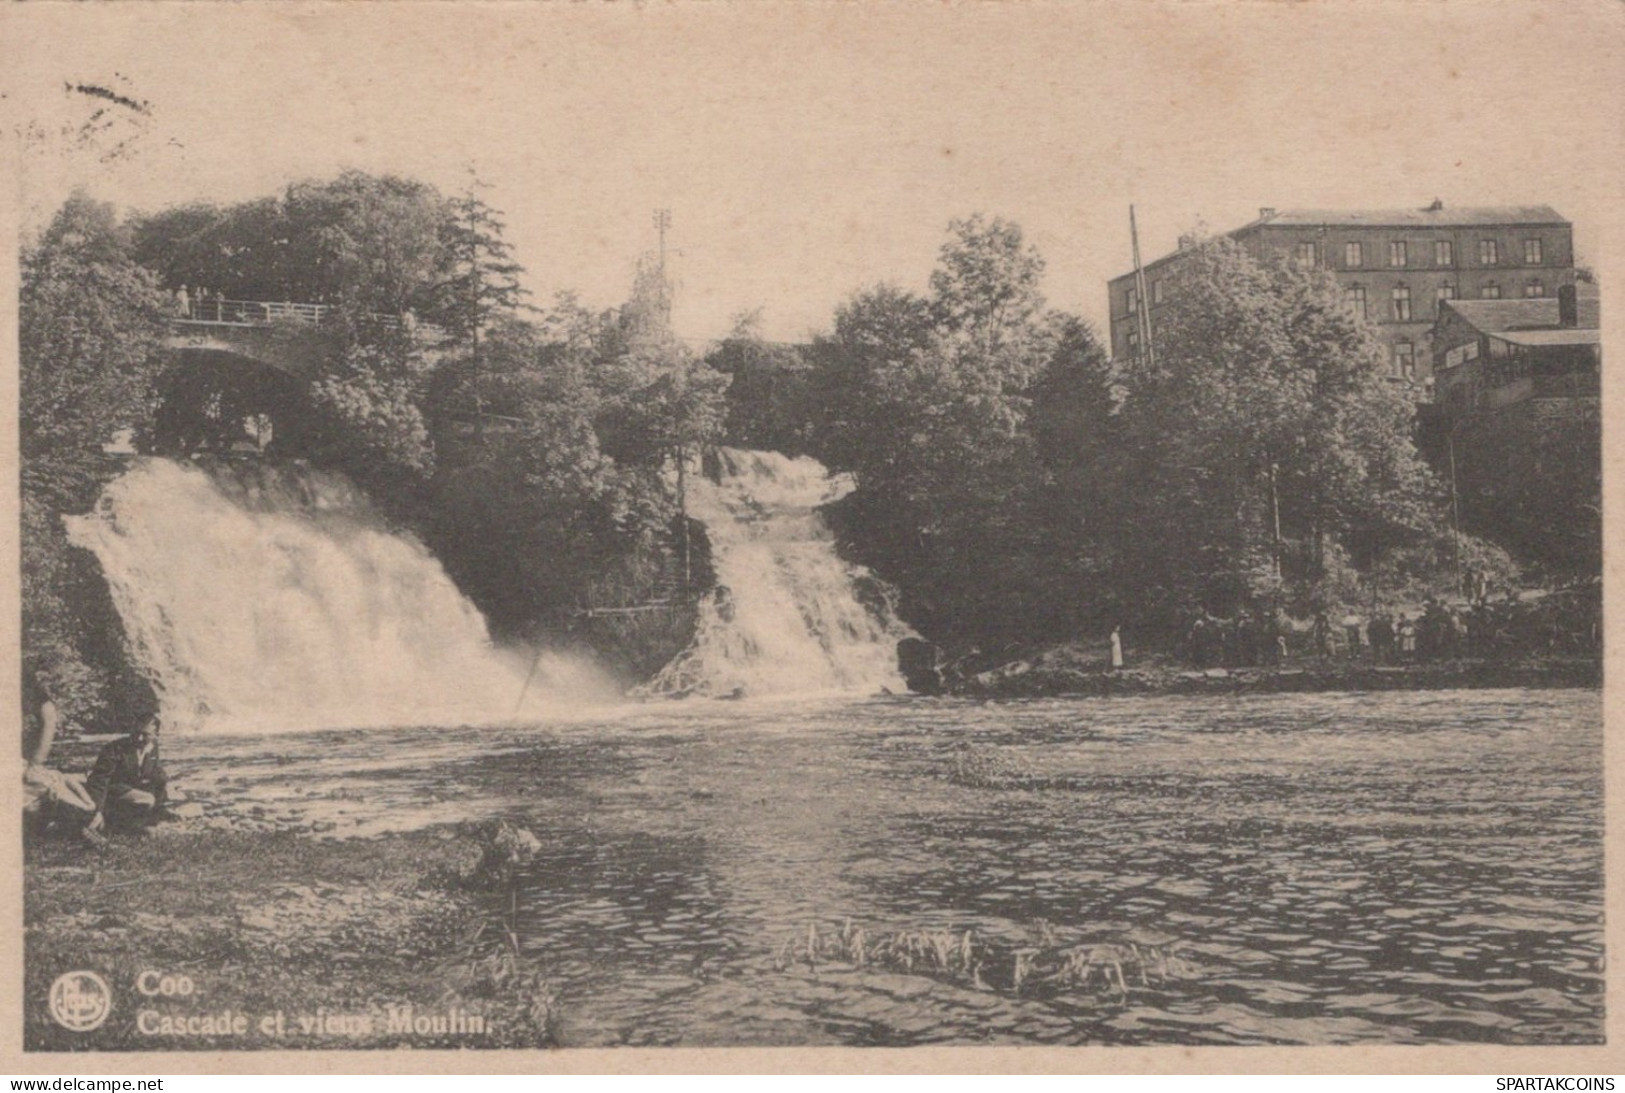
(1539, 315)
(1563, 335)
(1444, 217)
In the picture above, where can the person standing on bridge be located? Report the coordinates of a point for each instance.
(184, 302)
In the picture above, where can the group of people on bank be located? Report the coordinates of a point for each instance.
(125, 789)
(1439, 631)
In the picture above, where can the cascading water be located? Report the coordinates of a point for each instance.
(267, 598)
(789, 616)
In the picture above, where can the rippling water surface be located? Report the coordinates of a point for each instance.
(1414, 867)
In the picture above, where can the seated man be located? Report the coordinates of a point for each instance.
(128, 785)
(47, 794)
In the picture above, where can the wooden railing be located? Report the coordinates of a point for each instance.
(252, 312)
(223, 312)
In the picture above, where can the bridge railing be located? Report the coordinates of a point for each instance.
(264, 312)
(253, 312)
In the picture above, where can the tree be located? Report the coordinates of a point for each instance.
(769, 399)
(369, 417)
(659, 401)
(1530, 479)
(1079, 437)
(1269, 407)
(929, 403)
(479, 282)
(985, 290)
(370, 244)
(366, 244)
(90, 327)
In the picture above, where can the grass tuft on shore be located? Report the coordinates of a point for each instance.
(1045, 964)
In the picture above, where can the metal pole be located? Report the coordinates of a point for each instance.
(1275, 515)
(1143, 311)
(682, 516)
(1455, 506)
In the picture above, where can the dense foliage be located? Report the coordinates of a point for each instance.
(1017, 484)
(1530, 478)
(1014, 483)
(370, 243)
(90, 322)
(928, 401)
(1265, 435)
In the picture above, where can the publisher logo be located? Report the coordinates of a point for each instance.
(80, 1001)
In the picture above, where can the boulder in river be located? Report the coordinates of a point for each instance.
(920, 663)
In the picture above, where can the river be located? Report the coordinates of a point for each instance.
(1422, 867)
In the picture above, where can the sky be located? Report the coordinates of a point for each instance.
(807, 151)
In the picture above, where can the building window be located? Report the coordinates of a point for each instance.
(1156, 292)
(1444, 252)
(1354, 297)
(1402, 303)
(1133, 343)
(1306, 255)
(1446, 291)
(1405, 360)
(1491, 291)
(1488, 253)
(1353, 255)
(1534, 290)
(1531, 252)
(1396, 253)
(1133, 301)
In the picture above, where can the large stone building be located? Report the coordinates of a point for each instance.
(1395, 266)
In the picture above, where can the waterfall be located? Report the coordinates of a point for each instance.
(789, 615)
(259, 597)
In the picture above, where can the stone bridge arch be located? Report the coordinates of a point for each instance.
(290, 347)
(238, 372)
(213, 399)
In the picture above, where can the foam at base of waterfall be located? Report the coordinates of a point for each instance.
(271, 598)
(795, 620)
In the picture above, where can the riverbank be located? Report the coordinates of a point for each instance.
(238, 938)
(1076, 670)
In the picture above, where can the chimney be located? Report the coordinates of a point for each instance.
(1186, 242)
(1568, 306)
(1266, 212)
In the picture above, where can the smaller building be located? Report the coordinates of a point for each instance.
(1516, 428)
(1492, 354)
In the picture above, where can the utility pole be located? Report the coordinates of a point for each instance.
(662, 223)
(682, 517)
(1275, 514)
(1142, 316)
(1455, 504)
(474, 312)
